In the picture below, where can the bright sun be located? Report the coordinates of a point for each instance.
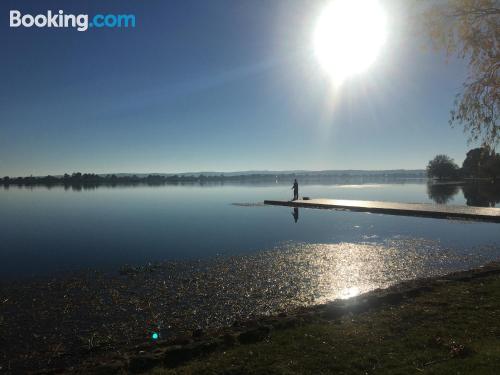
(348, 37)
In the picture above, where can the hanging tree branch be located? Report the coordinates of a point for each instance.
(470, 29)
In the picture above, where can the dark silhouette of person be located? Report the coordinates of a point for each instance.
(295, 214)
(295, 188)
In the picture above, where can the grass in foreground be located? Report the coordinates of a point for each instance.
(454, 329)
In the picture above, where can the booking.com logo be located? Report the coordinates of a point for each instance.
(78, 21)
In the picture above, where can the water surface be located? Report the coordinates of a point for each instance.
(48, 231)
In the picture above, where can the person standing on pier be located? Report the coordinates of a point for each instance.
(295, 188)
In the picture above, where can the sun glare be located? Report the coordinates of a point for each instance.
(348, 37)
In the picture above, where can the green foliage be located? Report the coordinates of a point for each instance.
(470, 29)
(492, 167)
(442, 167)
(481, 162)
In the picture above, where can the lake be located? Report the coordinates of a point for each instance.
(49, 231)
(204, 257)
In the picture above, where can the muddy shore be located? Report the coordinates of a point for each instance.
(60, 323)
(177, 355)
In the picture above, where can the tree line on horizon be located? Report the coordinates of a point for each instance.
(92, 179)
(480, 163)
(78, 178)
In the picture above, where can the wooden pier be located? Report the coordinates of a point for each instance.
(438, 211)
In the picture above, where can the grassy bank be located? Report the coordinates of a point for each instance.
(451, 327)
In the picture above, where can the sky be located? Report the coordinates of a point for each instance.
(217, 85)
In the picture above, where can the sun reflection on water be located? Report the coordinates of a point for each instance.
(349, 292)
(323, 272)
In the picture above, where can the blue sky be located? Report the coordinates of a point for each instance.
(217, 86)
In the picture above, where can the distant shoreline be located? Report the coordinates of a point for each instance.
(79, 179)
(94, 180)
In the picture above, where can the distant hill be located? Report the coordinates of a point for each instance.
(324, 173)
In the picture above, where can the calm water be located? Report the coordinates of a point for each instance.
(48, 231)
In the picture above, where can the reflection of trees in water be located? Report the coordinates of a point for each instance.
(441, 193)
(482, 195)
(476, 194)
